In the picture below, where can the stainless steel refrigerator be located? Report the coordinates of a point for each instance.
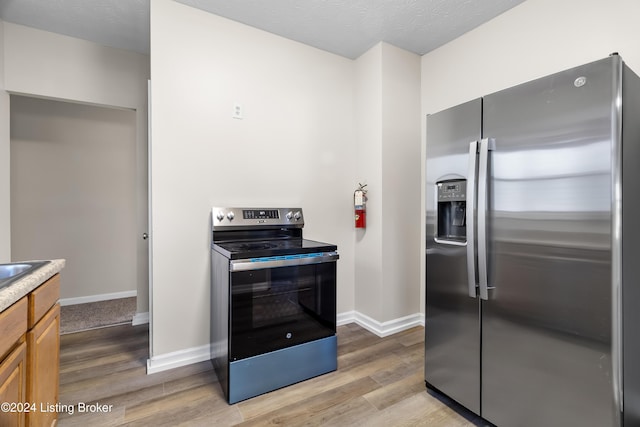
(533, 251)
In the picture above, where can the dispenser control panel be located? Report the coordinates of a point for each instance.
(450, 191)
(452, 212)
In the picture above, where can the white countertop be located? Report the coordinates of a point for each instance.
(28, 283)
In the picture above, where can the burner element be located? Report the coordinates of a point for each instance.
(256, 246)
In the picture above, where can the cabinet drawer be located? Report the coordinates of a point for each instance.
(13, 324)
(43, 298)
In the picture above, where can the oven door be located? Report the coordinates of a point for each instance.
(278, 302)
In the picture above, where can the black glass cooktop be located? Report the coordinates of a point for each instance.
(265, 248)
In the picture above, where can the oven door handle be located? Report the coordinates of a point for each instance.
(283, 261)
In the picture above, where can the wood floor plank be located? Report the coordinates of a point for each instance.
(91, 353)
(366, 354)
(379, 382)
(104, 336)
(160, 409)
(301, 412)
(419, 409)
(395, 392)
(114, 418)
(411, 336)
(139, 397)
(341, 414)
(260, 405)
(123, 382)
(352, 340)
(104, 365)
(191, 381)
(382, 366)
(394, 372)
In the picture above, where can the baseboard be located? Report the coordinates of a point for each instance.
(140, 319)
(189, 356)
(381, 329)
(345, 318)
(96, 298)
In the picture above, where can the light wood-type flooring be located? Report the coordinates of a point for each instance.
(379, 382)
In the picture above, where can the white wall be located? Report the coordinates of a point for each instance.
(73, 194)
(401, 189)
(387, 266)
(61, 67)
(368, 113)
(294, 147)
(536, 38)
(5, 211)
(43, 64)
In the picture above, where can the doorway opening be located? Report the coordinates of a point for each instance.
(73, 196)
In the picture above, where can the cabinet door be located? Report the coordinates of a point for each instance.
(12, 386)
(43, 367)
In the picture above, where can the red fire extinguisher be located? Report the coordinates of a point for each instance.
(360, 206)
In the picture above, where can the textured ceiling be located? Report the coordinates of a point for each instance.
(117, 23)
(350, 28)
(347, 28)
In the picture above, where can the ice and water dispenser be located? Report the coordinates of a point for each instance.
(452, 211)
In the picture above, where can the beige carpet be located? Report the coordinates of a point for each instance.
(81, 317)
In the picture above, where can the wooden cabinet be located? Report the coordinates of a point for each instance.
(30, 351)
(42, 298)
(12, 386)
(43, 368)
(13, 325)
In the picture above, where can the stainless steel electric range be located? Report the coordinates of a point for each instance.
(273, 301)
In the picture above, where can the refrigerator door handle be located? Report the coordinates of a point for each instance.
(471, 209)
(486, 145)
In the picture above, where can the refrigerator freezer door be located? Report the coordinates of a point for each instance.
(546, 332)
(452, 329)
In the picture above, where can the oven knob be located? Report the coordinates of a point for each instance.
(289, 215)
(297, 215)
(220, 216)
(231, 215)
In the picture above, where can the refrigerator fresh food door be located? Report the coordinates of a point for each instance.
(546, 332)
(630, 271)
(452, 329)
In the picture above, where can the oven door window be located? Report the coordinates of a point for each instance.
(280, 307)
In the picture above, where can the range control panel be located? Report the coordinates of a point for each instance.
(225, 218)
(260, 214)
